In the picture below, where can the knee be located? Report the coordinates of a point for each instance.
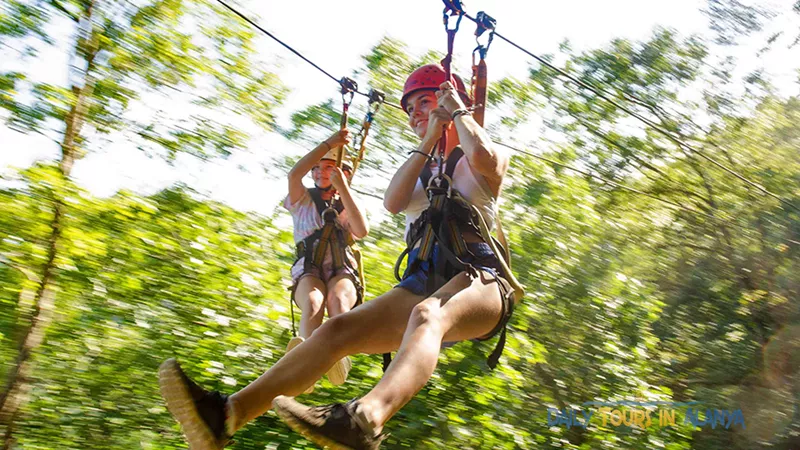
(337, 331)
(340, 301)
(313, 304)
(426, 313)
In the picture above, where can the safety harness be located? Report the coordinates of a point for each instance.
(314, 247)
(332, 235)
(443, 225)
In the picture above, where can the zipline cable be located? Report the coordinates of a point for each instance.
(641, 118)
(599, 92)
(288, 47)
(728, 221)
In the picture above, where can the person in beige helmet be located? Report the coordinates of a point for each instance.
(326, 219)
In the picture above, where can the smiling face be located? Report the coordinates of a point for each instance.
(418, 105)
(321, 173)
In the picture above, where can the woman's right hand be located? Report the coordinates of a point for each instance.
(339, 139)
(437, 119)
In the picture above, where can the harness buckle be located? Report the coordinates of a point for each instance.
(328, 210)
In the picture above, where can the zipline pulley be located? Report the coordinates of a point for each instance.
(484, 23)
(348, 87)
(376, 99)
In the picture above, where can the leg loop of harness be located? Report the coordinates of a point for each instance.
(494, 357)
(387, 359)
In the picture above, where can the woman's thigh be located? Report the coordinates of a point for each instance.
(376, 326)
(342, 295)
(470, 307)
(310, 291)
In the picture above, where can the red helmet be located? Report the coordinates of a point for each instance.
(432, 76)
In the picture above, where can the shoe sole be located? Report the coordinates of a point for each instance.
(304, 430)
(338, 373)
(182, 408)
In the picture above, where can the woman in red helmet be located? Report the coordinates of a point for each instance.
(454, 288)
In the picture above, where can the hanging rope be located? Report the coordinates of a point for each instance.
(349, 87)
(451, 8)
(376, 99)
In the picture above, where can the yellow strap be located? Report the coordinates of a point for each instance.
(459, 246)
(519, 290)
(322, 247)
(426, 245)
(360, 267)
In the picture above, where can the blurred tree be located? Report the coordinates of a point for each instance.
(122, 51)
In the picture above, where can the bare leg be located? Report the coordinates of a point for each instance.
(342, 295)
(341, 298)
(310, 297)
(462, 309)
(376, 326)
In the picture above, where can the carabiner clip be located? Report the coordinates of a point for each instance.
(349, 86)
(451, 8)
(330, 209)
(437, 178)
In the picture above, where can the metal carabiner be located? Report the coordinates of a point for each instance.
(452, 8)
(348, 86)
(330, 209)
(441, 176)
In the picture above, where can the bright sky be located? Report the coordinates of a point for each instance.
(335, 36)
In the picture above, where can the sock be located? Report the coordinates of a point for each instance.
(363, 422)
(230, 417)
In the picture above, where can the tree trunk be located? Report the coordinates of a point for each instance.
(18, 384)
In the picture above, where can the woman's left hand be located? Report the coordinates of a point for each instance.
(448, 98)
(337, 179)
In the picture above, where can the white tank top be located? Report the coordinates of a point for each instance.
(470, 184)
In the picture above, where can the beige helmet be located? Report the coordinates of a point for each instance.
(333, 154)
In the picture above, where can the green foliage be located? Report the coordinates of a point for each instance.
(628, 298)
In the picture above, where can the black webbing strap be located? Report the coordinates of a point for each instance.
(494, 357)
(322, 205)
(449, 167)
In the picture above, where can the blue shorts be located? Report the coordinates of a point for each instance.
(481, 257)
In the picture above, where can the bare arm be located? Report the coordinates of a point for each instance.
(398, 194)
(307, 162)
(484, 158)
(358, 223)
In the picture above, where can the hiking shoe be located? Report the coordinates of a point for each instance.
(201, 413)
(294, 342)
(334, 426)
(338, 373)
